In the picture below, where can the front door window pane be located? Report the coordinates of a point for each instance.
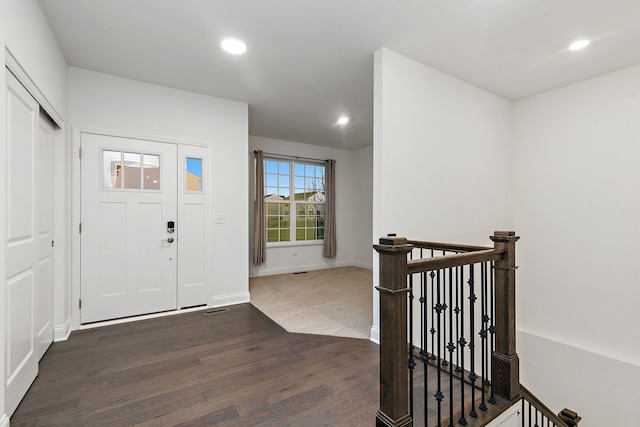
(151, 172)
(111, 168)
(132, 171)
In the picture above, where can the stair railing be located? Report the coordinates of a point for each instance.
(451, 307)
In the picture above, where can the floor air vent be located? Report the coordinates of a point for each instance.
(300, 272)
(216, 311)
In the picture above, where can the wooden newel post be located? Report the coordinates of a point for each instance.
(569, 417)
(505, 372)
(394, 377)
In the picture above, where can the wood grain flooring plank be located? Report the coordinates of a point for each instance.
(234, 368)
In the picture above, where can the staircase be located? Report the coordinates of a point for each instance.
(448, 337)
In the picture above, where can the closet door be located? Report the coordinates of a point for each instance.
(44, 202)
(22, 241)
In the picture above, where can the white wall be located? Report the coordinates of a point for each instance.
(363, 198)
(30, 40)
(25, 32)
(442, 157)
(352, 188)
(100, 102)
(577, 208)
(4, 419)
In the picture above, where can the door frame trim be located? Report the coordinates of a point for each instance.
(76, 138)
(23, 77)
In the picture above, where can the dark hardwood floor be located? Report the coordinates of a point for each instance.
(234, 368)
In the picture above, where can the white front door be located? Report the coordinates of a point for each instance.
(128, 253)
(22, 241)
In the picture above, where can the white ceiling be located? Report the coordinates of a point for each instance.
(309, 61)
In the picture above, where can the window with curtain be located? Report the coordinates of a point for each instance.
(294, 201)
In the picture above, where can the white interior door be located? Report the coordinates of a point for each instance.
(22, 241)
(44, 202)
(128, 255)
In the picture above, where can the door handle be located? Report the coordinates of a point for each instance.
(169, 240)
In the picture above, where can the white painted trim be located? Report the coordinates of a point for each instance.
(298, 268)
(230, 299)
(375, 335)
(142, 137)
(62, 332)
(73, 229)
(562, 342)
(365, 265)
(23, 77)
(142, 317)
(4, 421)
(512, 411)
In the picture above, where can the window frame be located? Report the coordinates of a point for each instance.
(292, 202)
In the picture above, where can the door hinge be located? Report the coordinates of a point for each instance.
(53, 243)
(80, 303)
(80, 153)
(80, 228)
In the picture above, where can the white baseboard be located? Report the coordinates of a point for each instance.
(62, 332)
(361, 264)
(259, 272)
(375, 335)
(230, 299)
(4, 421)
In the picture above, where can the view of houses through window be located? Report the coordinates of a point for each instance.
(294, 197)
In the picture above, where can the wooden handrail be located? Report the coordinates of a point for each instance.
(537, 403)
(544, 409)
(450, 261)
(453, 247)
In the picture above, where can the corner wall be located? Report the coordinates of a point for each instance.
(353, 194)
(101, 102)
(442, 157)
(577, 208)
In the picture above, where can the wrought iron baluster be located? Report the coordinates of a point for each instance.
(424, 355)
(444, 361)
(492, 328)
(483, 333)
(472, 356)
(451, 346)
(438, 307)
(433, 315)
(457, 311)
(412, 362)
(462, 343)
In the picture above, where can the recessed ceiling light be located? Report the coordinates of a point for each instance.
(234, 46)
(579, 44)
(342, 120)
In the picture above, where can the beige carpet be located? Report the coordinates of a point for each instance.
(336, 301)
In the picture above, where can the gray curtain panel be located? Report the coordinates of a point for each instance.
(259, 241)
(330, 247)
